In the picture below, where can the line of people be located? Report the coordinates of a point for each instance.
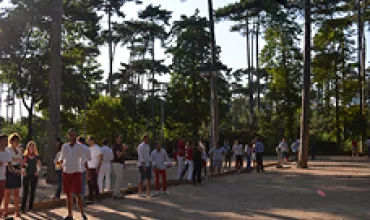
(191, 158)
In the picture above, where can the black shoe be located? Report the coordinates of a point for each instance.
(89, 202)
(68, 218)
(84, 217)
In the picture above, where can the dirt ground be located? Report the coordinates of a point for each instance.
(332, 188)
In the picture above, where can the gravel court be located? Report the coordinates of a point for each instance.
(289, 194)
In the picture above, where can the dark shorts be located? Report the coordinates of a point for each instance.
(72, 183)
(284, 155)
(13, 180)
(145, 174)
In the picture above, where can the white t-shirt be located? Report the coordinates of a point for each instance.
(238, 149)
(85, 159)
(159, 158)
(95, 157)
(107, 154)
(72, 157)
(4, 159)
(143, 155)
(13, 154)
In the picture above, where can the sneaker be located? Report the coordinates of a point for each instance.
(157, 193)
(142, 195)
(166, 192)
(68, 218)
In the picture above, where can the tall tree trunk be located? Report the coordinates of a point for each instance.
(110, 47)
(54, 85)
(360, 27)
(258, 66)
(153, 87)
(303, 155)
(213, 77)
(29, 118)
(337, 122)
(250, 77)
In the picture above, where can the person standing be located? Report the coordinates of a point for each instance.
(58, 167)
(32, 167)
(259, 149)
(295, 150)
(217, 154)
(94, 166)
(160, 162)
(13, 174)
(197, 173)
(5, 159)
(84, 166)
(180, 156)
(72, 155)
(238, 151)
(105, 169)
(248, 154)
(189, 162)
(228, 154)
(354, 149)
(284, 149)
(144, 165)
(118, 165)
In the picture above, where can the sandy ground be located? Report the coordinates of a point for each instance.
(288, 194)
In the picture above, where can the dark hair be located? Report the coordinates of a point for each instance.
(59, 146)
(82, 140)
(3, 136)
(91, 138)
(14, 137)
(105, 141)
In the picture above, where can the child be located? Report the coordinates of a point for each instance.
(248, 154)
(160, 159)
(238, 151)
(4, 160)
(32, 164)
(204, 158)
(216, 154)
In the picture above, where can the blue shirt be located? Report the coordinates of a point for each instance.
(258, 147)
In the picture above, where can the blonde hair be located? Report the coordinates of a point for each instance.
(12, 137)
(35, 151)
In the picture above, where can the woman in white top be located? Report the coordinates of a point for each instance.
(58, 167)
(13, 176)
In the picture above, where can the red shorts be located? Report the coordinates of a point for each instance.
(2, 189)
(72, 183)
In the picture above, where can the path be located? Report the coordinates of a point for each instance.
(288, 194)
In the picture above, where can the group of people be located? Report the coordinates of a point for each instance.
(191, 158)
(79, 162)
(18, 167)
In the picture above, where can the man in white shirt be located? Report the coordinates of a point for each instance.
(160, 161)
(72, 155)
(94, 166)
(105, 169)
(144, 165)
